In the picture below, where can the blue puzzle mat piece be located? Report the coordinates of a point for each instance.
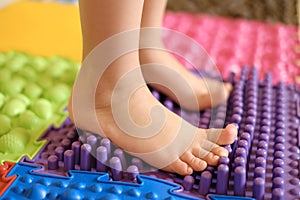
(85, 185)
(223, 197)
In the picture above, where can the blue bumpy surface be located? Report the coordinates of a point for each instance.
(85, 185)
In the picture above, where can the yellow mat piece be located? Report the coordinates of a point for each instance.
(41, 28)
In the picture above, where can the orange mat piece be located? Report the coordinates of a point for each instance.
(41, 28)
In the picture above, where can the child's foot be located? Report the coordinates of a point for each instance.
(135, 121)
(208, 92)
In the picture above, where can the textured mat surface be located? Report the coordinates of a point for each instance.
(263, 162)
(267, 10)
(235, 43)
(33, 95)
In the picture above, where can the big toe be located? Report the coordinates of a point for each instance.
(223, 136)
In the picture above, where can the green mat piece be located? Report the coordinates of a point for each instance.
(34, 93)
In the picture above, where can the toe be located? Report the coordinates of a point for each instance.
(209, 157)
(196, 163)
(220, 151)
(179, 167)
(223, 136)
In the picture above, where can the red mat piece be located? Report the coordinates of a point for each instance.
(6, 182)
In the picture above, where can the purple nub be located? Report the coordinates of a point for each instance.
(102, 158)
(263, 145)
(259, 172)
(68, 160)
(66, 143)
(259, 188)
(116, 168)
(295, 181)
(85, 157)
(279, 139)
(243, 144)
(278, 182)
(188, 183)
(278, 162)
(59, 152)
(115, 163)
(239, 181)
(250, 120)
(265, 129)
(279, 147)
(205, 182)
(261, 153)
(278, 172)
(280, 132)
(52, 162)
(106, 142)
(278, 194)
(236, 118)
(295, 192)
(295, 149)
(120, 154)
(222, 179)
(224, 160)
(241, 152)
(132, 172)
(249, 128)
(264, 137)
(76, 149)
(92, 140)
(137, 162)
(260, 162)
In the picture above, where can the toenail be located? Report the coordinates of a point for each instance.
(216, 157)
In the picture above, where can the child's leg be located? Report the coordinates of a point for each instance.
(209, 92)
(122, 105)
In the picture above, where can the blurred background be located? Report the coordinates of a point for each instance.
(268, 10)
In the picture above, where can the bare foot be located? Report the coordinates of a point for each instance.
(135, 121)
(209, 92)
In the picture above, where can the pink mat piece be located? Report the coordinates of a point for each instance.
(233, 43)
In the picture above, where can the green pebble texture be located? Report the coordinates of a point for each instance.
(34, 93)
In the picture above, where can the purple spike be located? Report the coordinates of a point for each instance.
(76, 149)
(52, 162)
(106, 142)
(101, 155)
(137, 162)
(85, 157)
(259, 172)
(205, 182)
(188, 183)
(120, 154)
(239, 161)
(278, 182)
(66, 143)
(92, 141)
(59, 152)
(222, 179)
(239, 181)
(68, 160)
(132, 171)
(278, 194)
(116, 168)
